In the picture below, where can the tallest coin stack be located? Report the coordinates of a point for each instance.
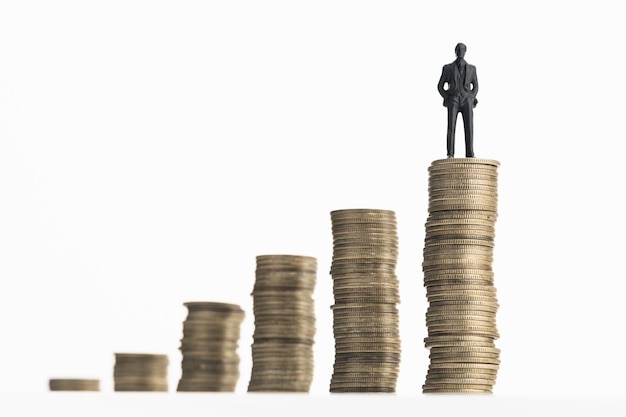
(458, 276)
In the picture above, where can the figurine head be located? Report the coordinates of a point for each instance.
(460, 50)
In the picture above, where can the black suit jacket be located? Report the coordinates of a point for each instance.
(459, 90)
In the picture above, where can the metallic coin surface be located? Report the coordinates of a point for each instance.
(73, 384)
(458, 276)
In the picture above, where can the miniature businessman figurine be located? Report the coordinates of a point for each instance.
(458, 86)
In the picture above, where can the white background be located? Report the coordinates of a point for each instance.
(149, 150)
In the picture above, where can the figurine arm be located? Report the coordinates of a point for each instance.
(475, 84)
(442, 81)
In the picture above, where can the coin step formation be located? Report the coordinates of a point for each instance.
(458, 276)
(140, 372)
(365, 289)
(74, 384)
(284, 323)
(210, 361)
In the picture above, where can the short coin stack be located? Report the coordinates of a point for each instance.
(209, 347)
(284, 320)
(365, 288)
(140, 372)
(458, 276)
(70, 384)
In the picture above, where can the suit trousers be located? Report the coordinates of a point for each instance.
(467, 111)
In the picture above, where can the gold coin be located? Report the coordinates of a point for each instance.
(451, 387)
(366, 367)
(344, 297)
(441, 207)
(469, 183)
(382, 230)
(455, 391)
(379, 327)
(460, 321)
(465, 163)
(457, 224)
(467, 260)
(345, 264)
(469, 302)
(437, 177)
(465, 356)
(442, 241)
(483, 253)
(365, 272)
(485, 296)
(340, 381)
(461, 170)
(466, 359)
(363, 211)
(381, 289)
(475, 315)
(364, 222)
(463, 349)
(460, 204)
(438, 282)
(391, 334)
(464, 373)
(361, 252)
(460, 273)
(386, 338)
(467, 195)
(366, 241)
(463, 367)
(434, 309)
(137, 358)
(464, 193)
(469, 160)
(366, 282)
(286, 259)
(362, 390)
(367, 358)
(392, 345)
(460, 184)
(73, 384)
(461, 287)
(365, 279)
(434, 235)
(451, 323)
(445, 379)
(477, 290)
(444, 343)
(368, 299)
(460, 222)
(194, 306)
(427, 269)
(478, 331)
(462, 215)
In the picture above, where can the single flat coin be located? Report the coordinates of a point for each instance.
(452, 240)
(459, 274)
(73, 384)
(338, 390)
(434, 391)
(470, 160)
(472, 372)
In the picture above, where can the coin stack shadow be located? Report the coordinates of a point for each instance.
(140, 372)
(284, 323)
(365, 288)
(209, 347)
(72, 384)
(458, 276)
